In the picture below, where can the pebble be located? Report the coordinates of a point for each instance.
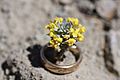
(118, 8)
(86, 6)
(106, 8)
(115, 24)
(66, 1)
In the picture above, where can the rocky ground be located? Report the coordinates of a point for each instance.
(22, 34)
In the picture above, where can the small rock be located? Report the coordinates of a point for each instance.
(115, 48)
(7, 71)
(11, 77)
(106, 8)
(118, 8)
(86, 6)
(118, 11)
(66, 1)
(115, 24)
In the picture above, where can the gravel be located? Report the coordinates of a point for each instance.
(106, 8)
(22, 34)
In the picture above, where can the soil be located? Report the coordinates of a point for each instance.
(22, 35)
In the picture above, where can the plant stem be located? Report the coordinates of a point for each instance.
(60, 55)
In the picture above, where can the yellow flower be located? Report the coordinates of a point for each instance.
(52, 25)
(69, 19)
(55, 46)
(51, 30)
(59, 40)
(79, 25)
(66, 36)
(51, 34)
(46, 26)
(61, 20)
(71, 41)
(74, 21)
(56, 20)
(72, 30)
(82, 29)
(80, 37)
(75, 33)
(53, 43)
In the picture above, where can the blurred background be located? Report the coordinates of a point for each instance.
(22, 33)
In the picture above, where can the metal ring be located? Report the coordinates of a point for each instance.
(61, 69)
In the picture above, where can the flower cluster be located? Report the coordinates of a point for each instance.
(65, 31)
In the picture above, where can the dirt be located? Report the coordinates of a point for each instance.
(22, 35)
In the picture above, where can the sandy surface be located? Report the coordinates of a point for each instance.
(22, 35)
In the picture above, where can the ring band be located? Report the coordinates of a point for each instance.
(61, 69)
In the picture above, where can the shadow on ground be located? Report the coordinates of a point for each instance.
(34, 55)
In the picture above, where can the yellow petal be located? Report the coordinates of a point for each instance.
(46, 26)
(83, 29)
(66, 36)
(76, 22)
(74, 34)
(51, 34)
(51, 42)
(80, 37)
(59, 40)
(71, 30)
(57, 19)
(68, 19)
(61, 20)
(71, 41)
(55, 46)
